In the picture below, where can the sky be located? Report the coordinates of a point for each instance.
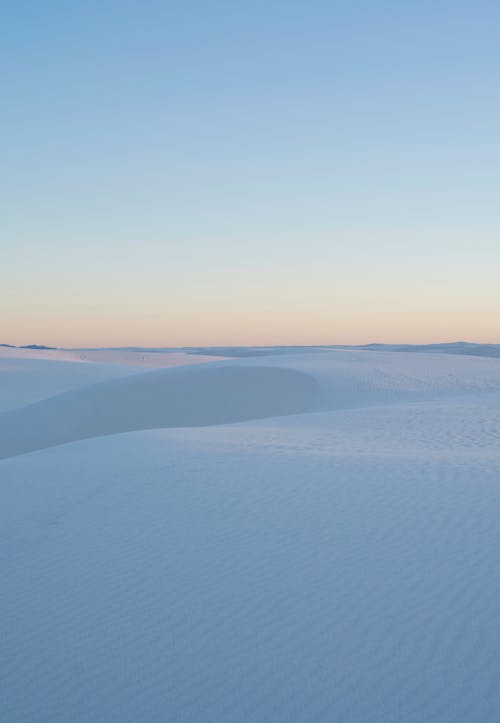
(278, 172)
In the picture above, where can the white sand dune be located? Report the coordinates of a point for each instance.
(181, 397)
(232, 392)
(338, 563)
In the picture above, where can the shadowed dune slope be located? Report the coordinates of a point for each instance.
(182, 397)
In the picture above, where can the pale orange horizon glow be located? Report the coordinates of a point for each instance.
(310, 306)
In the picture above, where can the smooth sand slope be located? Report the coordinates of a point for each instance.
(182, 397)
(336, 561)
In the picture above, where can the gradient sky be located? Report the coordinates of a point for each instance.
(265, 172)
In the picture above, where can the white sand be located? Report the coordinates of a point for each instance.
(338, 563)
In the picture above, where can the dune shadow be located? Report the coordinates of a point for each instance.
(180, 397)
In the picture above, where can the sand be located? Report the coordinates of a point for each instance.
(333, 557)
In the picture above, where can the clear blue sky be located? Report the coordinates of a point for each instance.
(264, 172)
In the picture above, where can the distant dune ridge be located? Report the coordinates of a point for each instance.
(457, 347)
